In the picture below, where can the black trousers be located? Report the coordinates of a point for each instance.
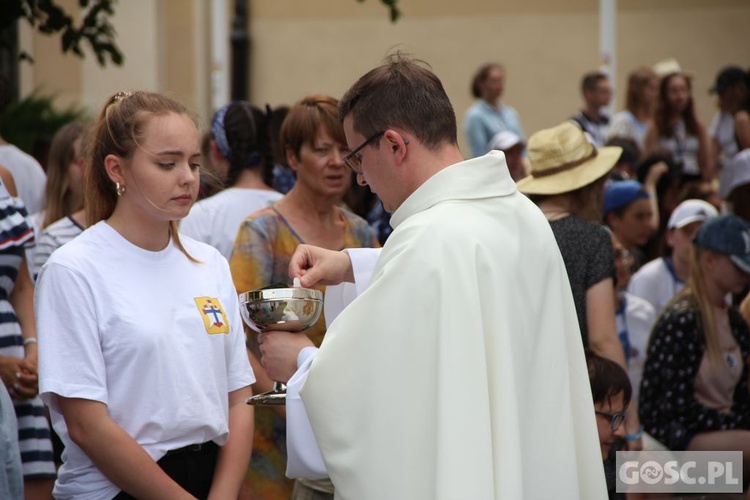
(192, 467)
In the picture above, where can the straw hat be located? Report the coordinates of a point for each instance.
(563, 160)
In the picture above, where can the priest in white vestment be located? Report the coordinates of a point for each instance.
(458, 373)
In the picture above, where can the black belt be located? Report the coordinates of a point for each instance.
(206, 447)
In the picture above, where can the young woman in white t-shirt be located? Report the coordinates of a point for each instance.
(142, 358)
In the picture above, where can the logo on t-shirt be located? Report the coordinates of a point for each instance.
(214, 317)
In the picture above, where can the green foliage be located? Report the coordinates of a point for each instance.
(49, 18)
(392, 9)
(31, 122)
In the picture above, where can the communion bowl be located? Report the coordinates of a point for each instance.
(288, 309)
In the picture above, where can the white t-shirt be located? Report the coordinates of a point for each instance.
(216, 219)
(636, 318)
(722, 129)
(154, 336)
(625, 125)
(656, 282)
(28, 175)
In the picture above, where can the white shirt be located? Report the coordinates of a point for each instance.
(215, 220)
(636, 318)
(154, 336)
(722, 129)
(655, 282)
(28, 174)
(452, 321)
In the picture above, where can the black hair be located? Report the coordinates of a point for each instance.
(246, 129)
(607, 378)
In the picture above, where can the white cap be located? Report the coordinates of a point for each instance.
(691, 211)
(667, 67)
(505, 140)
(735, 172)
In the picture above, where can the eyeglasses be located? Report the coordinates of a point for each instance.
(615, 419)
(354, 159)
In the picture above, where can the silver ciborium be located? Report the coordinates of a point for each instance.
(287, 309)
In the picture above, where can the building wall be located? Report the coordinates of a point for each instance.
(305, 46)
(545, 45)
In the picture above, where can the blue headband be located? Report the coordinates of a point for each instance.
(218, 131)
(220, 135)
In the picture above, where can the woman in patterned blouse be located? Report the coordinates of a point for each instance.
(315, 146)
(694, 393)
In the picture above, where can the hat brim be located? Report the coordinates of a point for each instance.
(741, 263)
(575, 178)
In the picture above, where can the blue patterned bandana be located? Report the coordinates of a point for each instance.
(218, 131)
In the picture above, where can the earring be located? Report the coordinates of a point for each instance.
(120, 190)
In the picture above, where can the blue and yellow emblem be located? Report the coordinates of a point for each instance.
(214, 317)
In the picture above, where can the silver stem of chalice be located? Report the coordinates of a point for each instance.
(287, 309)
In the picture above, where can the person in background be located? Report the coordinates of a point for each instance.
(210, 182)
(18, 344)
(627, 164)
(734, 185)
(146, 386)
(63, 218)
(634, 316)
(597, 94)
(631, 213)
(489, 116)
(694, 393)
(11, 477)
(513, 146)
(678, 130)
(667, 194)
(732, 92)
(567, 178)
(64, 192)
(612, 394)
(310, 212)
(28, 174)
(641, 98)
(242, 156)
(659, 280)
(283, 175)
(742, 119)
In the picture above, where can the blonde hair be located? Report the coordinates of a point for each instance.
(695, 290)
(60, 201)
(119, 131)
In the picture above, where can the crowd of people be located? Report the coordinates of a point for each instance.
(599, 267)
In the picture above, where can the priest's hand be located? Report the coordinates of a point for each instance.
(318, 266)
(279, 352)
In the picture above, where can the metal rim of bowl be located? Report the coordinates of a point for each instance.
(281, 294)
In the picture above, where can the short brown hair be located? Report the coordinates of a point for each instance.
(591, 80)
(305, 119)
(402, 93)
(481, 76)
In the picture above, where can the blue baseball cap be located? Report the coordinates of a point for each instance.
(620, 193)
(727, 234)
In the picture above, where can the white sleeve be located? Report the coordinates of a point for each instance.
(303, 455)
(339, 296)
(71, 361)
